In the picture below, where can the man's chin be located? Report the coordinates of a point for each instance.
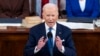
(51, 24)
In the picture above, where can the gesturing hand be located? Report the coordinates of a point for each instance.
(41, 42)
(58, 43)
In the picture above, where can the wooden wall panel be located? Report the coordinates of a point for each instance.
(86, 43)
(12, 44)
(13, 40)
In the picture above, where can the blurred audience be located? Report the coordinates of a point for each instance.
(14, 8)
(82, 8)
(62, 9)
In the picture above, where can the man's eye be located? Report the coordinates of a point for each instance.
(48, 15)
(53, 15)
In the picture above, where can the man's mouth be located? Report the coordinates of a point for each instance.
(50, 22)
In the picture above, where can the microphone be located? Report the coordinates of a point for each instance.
(49, 34)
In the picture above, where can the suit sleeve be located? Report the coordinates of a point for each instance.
(69, 46)
(30, 45)
(95, 13)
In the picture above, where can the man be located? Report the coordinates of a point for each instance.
(38, 42)
(14, 8)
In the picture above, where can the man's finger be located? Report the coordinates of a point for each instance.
(46, 39)
(58, 37)
(42, 38)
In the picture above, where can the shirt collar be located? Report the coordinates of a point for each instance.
(54, 27)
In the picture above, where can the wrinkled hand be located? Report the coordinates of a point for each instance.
(58, 43)
(41, 42)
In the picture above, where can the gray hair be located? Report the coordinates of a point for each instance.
(50, 5)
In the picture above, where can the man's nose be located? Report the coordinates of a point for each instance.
(50, 17)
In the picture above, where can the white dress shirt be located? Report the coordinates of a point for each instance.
(82, 4)
(53, 31)
(54, 35)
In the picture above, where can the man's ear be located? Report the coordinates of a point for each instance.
(42, 15)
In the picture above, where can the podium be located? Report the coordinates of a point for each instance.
(13, 40)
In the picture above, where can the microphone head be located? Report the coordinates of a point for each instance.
(49, 35)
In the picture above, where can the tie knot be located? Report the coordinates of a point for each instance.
(50, 29)
(49, 34)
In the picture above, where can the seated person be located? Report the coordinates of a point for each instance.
(82, 8)
(14, 8)
(50, 38)
(62, 9)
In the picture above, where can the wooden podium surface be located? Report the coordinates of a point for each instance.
(13, 40)
(87, 42)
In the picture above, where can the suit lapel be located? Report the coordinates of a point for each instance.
(58, 33)
(58, 30)
(77, 5)
(88, 2)
(42, 30)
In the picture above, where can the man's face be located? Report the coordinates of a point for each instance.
(50, 16)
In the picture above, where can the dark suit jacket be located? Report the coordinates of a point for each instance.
(39, 30)
(91, 9)
(14, 8)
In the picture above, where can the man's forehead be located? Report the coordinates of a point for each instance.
(51, 11)
(49, 6)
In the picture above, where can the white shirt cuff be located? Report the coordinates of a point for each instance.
(62, 50)
(36, 50)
